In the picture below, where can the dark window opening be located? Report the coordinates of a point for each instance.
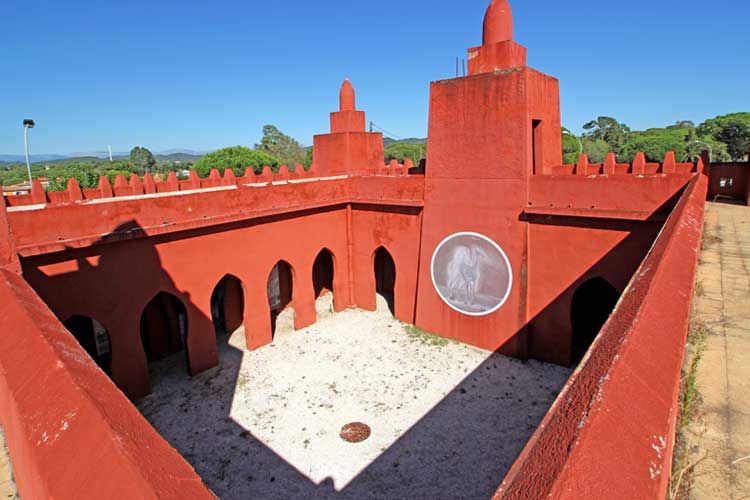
(593, 303)
(227, 305)
(536, 146)
(164, 328)
(323, 273)
(385, 277)
(94, 339)
(279, 288)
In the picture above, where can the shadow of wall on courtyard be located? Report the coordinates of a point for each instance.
(462, 448)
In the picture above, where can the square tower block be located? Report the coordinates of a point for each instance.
(488, 134)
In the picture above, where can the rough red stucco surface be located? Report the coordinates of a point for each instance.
(495, 167)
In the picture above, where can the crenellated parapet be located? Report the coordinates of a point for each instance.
(148, 185)
(640, 166)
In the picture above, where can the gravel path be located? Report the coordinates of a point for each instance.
(447, 420)
(719, 440)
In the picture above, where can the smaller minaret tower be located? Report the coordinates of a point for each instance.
(348, 148)
(347, 118)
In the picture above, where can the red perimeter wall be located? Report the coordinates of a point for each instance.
(610, 434)
(112, 278)
(70, 432)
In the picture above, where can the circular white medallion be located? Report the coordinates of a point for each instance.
(471, 273)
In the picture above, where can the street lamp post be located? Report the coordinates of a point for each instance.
(580, 144)
(27, 124)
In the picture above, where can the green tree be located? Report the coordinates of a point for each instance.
(307, 163)
(401, 152)
(281, 146)
(142, 159)
(680, 124)
(655, 147)
(238, 158)
(596, 149)
(732, 130)
(609, 130)
(571, 147)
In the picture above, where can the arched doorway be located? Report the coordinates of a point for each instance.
(385, 277)
(593, 302)
(227, 305)
(94, 339)
(279, 286)
(323, 273)
(164, 328)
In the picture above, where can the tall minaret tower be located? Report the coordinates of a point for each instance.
(490, 133)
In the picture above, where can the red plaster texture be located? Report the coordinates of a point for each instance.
(495, 167)
(8, 252)
(135, 248)
(629, 381)
(70, 432)
(396, 230)
(348, 148)
(480, 159)
(498, 50)
(498, 23)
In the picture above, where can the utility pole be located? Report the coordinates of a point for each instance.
(27, 124)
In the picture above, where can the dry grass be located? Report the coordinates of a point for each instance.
(689, 407)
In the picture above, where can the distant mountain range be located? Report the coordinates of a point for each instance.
(387, 141)
(178, 154)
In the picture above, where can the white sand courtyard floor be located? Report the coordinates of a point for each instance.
(447, 420)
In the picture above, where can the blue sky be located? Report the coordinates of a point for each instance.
(208, 74)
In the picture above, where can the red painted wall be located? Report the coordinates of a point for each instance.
(629, 381)
(738, 173)
(70, 432)
(113, 281)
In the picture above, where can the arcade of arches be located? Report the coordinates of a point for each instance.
(164, 328)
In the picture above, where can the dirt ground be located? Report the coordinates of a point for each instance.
(7, 486)
(719, 437)
(447, 420)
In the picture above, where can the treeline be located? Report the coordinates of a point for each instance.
(275, 149)
(726, 137)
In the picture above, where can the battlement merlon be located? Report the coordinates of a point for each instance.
(44, 229)
(8, 254)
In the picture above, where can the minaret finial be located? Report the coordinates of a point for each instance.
(498, 22)
(347, 97)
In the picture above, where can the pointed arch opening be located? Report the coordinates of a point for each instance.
(164, 329)
(385, 277)
(227, 306)
(593, 303)
(322, 276)
(323, 273)
(280, 287)
(94, 338)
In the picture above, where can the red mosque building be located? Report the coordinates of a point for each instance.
(496, 243)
